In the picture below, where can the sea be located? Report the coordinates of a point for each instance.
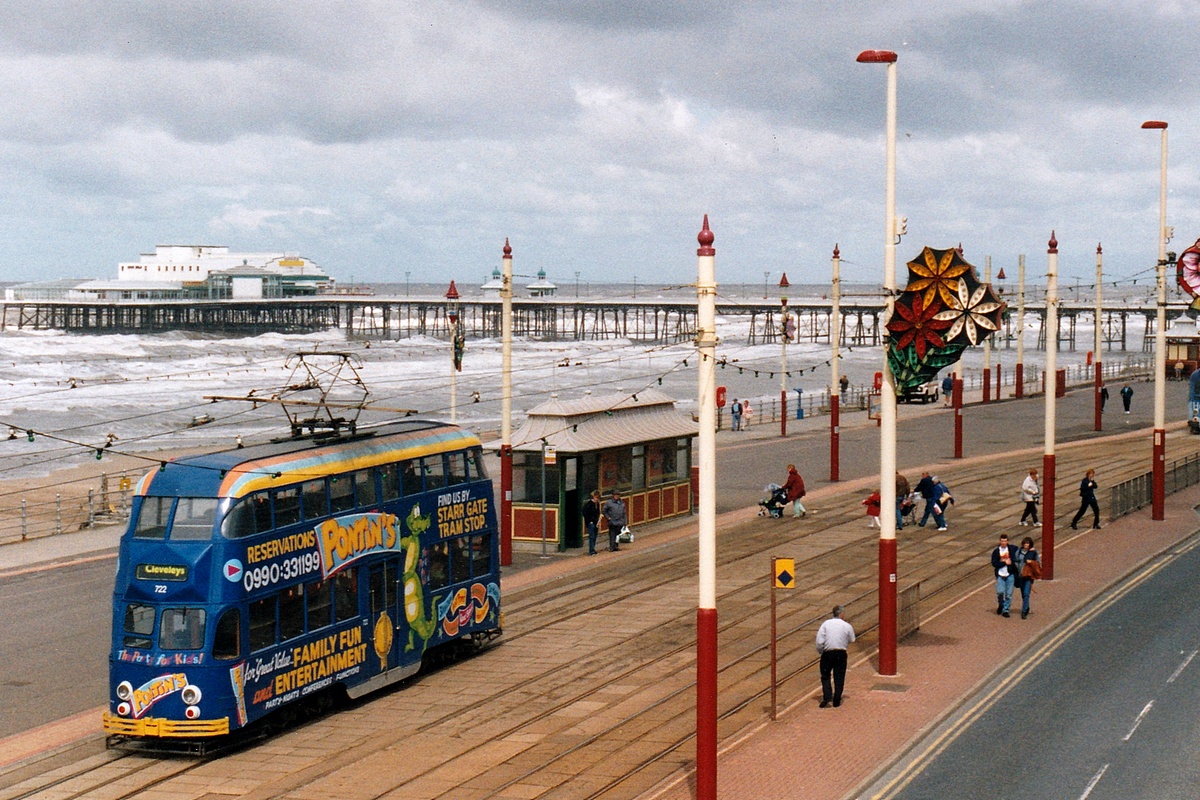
(157, 393)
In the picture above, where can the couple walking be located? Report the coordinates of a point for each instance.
(1015, 567)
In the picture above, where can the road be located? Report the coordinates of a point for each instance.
(1102, 709)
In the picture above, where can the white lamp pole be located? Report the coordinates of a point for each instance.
(1048, 466)
(835, 388)
(887, 420)
(1019, 375)
(506, 454)
(1159, 468)
(1098, 340)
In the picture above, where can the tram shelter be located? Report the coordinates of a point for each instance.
(638, 444)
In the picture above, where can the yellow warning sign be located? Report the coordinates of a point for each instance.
(785, 573)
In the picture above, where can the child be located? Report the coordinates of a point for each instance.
(872, 504)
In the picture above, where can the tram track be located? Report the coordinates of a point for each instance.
(597, 670)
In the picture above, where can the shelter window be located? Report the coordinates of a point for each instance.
(434, 471)
(683, 458)
(262, 623)
(194, 518)
(227, 641)
(341, 493)
(181, 629)
(637, 464)
(287, 506)
(153, 518)
(139, 625)
(527, 479)
(316, 502)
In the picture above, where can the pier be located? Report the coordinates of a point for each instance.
(546, 319)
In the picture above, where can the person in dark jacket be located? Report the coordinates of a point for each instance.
(614, 514)
(794, 486)
(591, 520)
(1025, 555)
(902, 492)
(1087, 499)
(927, 488)
(1126, 396)
(1004, 564)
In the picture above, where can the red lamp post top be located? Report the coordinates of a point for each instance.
(507, 248)
(783, 282)
(1001, 276)
(876, 57)
(1155, 124)
(706, 239)
(1053, 243)
(1098, 250)
(836, 252)
(452, 294)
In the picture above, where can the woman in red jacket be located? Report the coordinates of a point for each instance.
(794, 485)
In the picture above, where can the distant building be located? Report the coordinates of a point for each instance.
(491, 288)
(192, 265)
(541, 287)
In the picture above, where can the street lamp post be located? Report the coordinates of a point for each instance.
(987, 343)
(452, 309)
(1098, 341)
(506, 452)
(887, 422)
(1159, 468)
(406, 274)
(784, 336)
(835, 388)
(1019, 374)
(1048, 466)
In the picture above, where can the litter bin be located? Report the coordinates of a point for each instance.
(799, 403)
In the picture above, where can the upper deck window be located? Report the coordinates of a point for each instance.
(250, 515)
(194, 518)
(316, 502)
(153, 517)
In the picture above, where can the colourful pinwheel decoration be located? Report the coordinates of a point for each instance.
(1187, 273)
(943, 310)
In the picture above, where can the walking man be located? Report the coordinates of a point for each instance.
(614, 515)
(1004, 564)
(735, 411)
(1127, 396)
(927, 488)
(1103, 397)
(834, 637)
(1087, 499)
(948, 390)
(591, 519)
(1031, 492)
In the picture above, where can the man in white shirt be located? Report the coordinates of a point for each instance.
(1031, 492)
(833, 639)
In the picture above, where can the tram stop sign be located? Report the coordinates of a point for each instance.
(785, 573)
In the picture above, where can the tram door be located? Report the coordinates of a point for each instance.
(387, 627)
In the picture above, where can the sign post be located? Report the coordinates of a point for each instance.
(783, 576)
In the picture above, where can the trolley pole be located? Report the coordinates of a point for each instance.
(835, 340)
(706, 612)
(506, 456)
(1051, 398)
(1098, 339)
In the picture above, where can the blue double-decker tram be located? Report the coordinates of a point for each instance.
(256, 578)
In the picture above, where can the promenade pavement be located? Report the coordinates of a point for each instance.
(810, 752)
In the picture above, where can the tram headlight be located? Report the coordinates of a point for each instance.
(124, 690)
(190, 695)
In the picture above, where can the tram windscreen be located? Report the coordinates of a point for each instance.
(181, 629)
(153, 517)
(194, 518)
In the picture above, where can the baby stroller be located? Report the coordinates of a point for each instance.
(773, 503)
(908, 508)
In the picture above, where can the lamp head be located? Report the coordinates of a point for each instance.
(876, 57)
(1154, 124)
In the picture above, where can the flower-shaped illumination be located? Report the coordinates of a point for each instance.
(970, 311)
(917, 325)
(1187, 269)
(936, 273)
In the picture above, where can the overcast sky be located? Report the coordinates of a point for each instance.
(383, 137)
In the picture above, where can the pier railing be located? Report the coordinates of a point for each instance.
(1137, 492)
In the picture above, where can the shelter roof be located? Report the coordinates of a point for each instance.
(598, 422)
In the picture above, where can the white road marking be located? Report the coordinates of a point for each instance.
(1095, 779)
(1138, 721)
(1183, 666)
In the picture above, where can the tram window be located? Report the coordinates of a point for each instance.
(460, 560)
(456, 468)
(320, 604)
(481, 555)
(152, 519)
(316, 502)
(475, 463)
(439, 565)
(291, 613)
(287, 506)
(227, 641)
(341, 493)
(434, 471)
(181, 629)
(345, 595)
(194, 518)
(410, 478)
(364, 487)
(389, 479)
(139, 624)
(262, 623)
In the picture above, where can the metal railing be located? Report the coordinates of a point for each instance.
(22, 518)
(1137, 492)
